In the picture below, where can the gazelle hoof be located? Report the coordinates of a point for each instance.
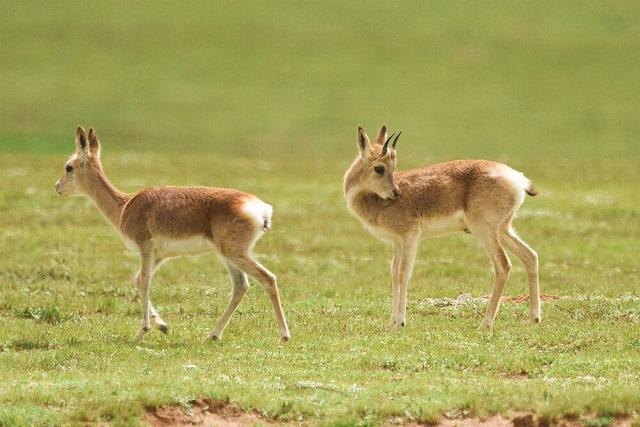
(395, 325)
(139, 335)
(214, 337)
(285, 338)
(486, 325)
(535, 316)
(164, 329)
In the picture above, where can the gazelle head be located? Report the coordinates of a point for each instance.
(83, 166)
(378, 164)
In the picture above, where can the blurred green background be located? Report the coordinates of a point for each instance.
(525, 79)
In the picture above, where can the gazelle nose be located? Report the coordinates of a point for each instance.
(395, 193)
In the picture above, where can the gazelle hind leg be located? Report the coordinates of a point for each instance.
(240, 287)
(529, 258)
(268, 280)
(502, 267)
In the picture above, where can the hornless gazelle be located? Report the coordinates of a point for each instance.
(476, 196)
(165, 222)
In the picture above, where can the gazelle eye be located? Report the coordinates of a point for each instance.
(379, 170)
(69, 168)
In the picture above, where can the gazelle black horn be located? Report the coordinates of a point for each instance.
(395, 141)
(386, 144)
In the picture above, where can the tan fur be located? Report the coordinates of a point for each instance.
(477, 196)
(164, 222)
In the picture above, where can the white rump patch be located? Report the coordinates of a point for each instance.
(516, 179)
(260, 212)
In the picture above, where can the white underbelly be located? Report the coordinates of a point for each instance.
(176, 247)
(131, 245)
(381, 232)
(437, 226)
(170, 247)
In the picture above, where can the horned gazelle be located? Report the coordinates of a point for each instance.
(476, 196)
(165, 222)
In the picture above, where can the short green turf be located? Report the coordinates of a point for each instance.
(265, 97)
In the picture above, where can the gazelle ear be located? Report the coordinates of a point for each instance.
(363, 143)
(94, 142)
(382, 135)
(82, 145)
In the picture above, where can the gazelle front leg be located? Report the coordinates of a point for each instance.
(158, 322)
(146, 268)
(155, 316)
(395, 285)
(409, 250)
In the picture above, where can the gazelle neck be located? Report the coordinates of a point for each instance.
(109, 200)
(354, 193)
(350, 184)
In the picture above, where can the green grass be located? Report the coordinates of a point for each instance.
(266, 98)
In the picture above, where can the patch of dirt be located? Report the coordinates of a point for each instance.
(203, 412)
(520, 419)
(210, 412)
(522, 375)
(521, 299)
(494, 421)
(460, 300)
(468, 299)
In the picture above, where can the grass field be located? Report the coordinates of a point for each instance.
(266, 97)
